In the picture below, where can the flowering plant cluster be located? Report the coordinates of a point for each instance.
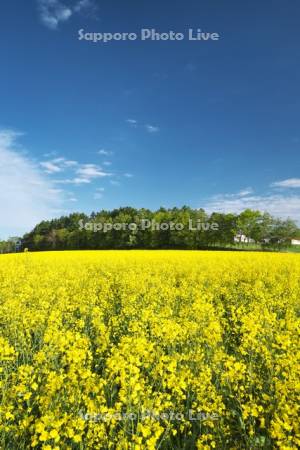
(117, 334)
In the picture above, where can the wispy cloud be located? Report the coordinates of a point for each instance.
(148, 127)
(57, 165)
(289, 183)
(84, 4)
(50, 167)
(105, 152)
(77, 173)
(73, 199)
(27, 196)
(279, 205)
(80, 180)
(55, 12)
(244, 192)
(32, 191)
(132, 122)
(90, 171)
(152, 128)
(76, 180)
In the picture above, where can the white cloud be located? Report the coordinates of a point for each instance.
(26, 195)
(149, 128)
(289, 183)
(54, 12)
(30, 191)
(76, 180)
(132, 122)
(57, 165)
(80, 173)
(55, 191)
(279, 205)
(71, 163)
(107, 163)
(128, 175)
(90, 171)
(49, 154)
(82, 4)
(152, 129)
(104, 152)
(245, 192)
(50, 167)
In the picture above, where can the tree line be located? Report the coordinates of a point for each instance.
(79, 231)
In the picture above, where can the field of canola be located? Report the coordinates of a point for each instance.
(149, 350)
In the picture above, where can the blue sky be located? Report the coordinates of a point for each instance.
(86, 126)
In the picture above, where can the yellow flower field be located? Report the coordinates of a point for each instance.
(149, 350)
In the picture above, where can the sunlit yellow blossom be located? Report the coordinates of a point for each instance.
(146, 350)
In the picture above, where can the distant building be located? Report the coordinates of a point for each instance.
(243, 239)
(295, 241)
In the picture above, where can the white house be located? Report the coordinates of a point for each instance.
(295, 241)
